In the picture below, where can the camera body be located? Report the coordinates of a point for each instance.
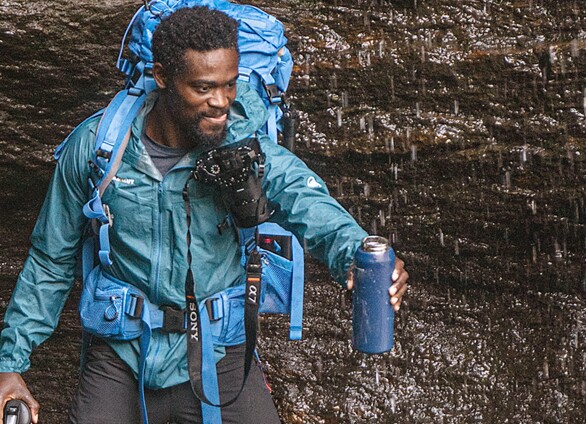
(237, 170)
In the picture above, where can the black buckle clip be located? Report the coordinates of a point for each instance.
(275, 95)
(173, 320)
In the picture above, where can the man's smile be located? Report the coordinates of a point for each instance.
(217, 120)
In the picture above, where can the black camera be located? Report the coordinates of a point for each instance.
(237, 170)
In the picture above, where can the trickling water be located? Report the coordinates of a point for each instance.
(486, 313)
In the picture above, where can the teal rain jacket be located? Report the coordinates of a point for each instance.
(148, 237)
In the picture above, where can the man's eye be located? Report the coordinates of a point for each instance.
(232, 84)
(203, 88)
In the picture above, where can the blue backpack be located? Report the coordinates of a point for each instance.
(266, 64)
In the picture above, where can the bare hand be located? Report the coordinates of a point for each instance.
(397, 289)
(12, 386)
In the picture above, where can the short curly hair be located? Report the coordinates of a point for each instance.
(199, 28)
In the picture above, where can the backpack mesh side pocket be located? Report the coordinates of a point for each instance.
(102, 308)
(277, 275)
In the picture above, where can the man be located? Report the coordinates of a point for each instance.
(198, 105)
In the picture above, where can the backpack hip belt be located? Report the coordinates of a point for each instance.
(113, 309)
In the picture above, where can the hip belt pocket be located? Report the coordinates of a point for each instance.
(110, 308)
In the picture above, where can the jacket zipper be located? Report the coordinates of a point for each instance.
(159, 244)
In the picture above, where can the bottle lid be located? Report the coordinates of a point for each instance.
(375, 244)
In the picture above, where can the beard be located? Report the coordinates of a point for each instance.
(190, 126)
(200, 139)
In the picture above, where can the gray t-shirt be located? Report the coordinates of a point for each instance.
(163, 157)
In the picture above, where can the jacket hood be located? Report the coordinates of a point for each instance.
(247, 114)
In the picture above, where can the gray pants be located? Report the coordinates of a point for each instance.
(108, 394)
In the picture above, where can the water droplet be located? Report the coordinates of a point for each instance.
(333, 81)
(575, 49)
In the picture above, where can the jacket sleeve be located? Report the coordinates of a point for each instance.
(47, 277)
(303, 206)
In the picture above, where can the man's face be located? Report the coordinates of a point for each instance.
(200, 97)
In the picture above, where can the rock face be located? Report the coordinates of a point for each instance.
(456, 129)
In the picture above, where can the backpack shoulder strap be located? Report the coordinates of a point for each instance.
(114, 131)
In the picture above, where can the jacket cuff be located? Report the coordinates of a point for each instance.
(10, 365)
(342, 276)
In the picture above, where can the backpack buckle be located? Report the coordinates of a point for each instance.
(135, 306)
(275, 95)
(103, 154)
(214, 308)
(174, 320)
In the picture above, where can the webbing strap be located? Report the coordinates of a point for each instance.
(94, 209)
(108, 117)
(200, 349)
(115, 163)
(104, 251)
(272, 122)
(125, 108)
(112, 138)
(296, 318)
(145, 340)
(210, 413)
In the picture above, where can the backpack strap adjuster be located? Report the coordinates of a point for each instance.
(104, 154)
(135, 306)
(174, 320)
(133, 91)
(275, 95)
(215, 309)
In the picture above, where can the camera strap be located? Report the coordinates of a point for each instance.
(200, 346)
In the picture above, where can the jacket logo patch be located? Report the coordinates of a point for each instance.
(312, 183)
(129, 181)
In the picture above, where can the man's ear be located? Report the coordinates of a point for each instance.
(159, 75)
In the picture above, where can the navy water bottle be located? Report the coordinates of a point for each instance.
(373, 315)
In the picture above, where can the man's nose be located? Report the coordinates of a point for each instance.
(220, 98)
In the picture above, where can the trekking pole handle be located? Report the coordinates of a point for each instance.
(17, 412)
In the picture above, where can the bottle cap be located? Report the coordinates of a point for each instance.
(375, 244)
